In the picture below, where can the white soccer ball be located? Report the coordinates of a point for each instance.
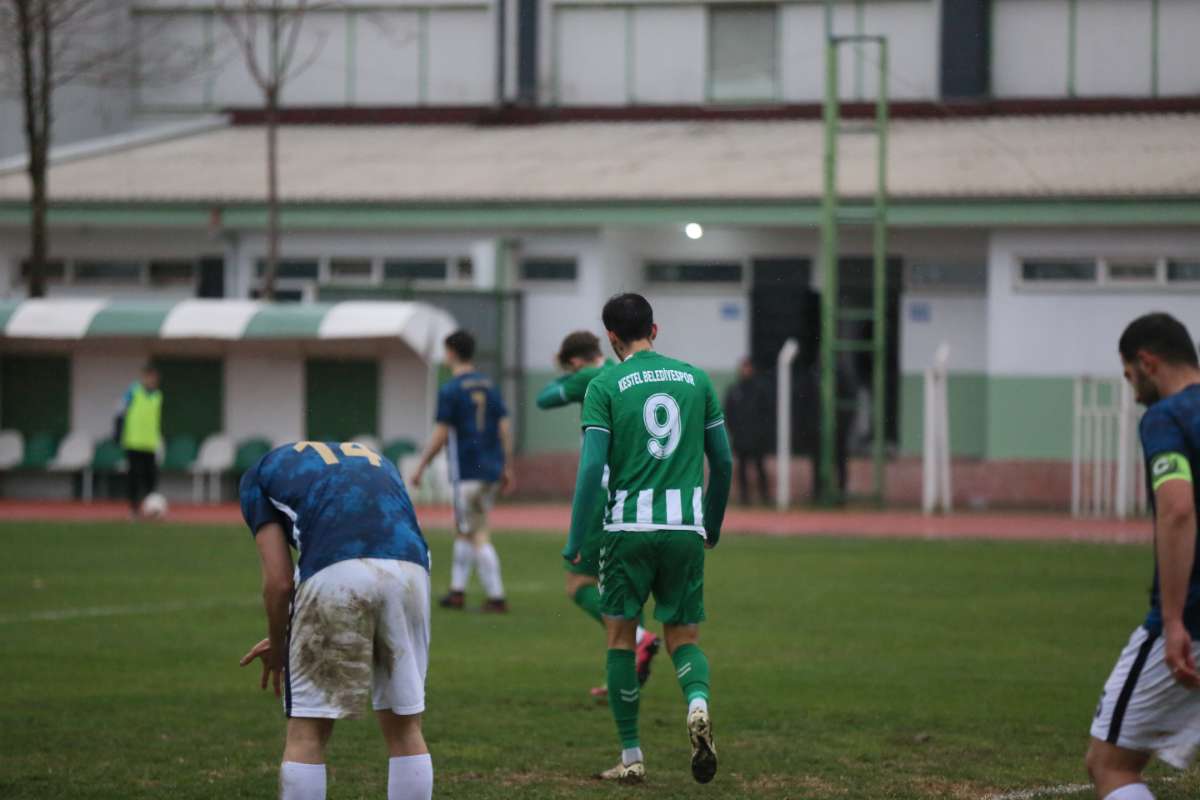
(155, 506)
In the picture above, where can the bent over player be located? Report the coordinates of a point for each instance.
(582, 360)
(350, 623)
(472, 420)
(1151, 703)
(653, 420)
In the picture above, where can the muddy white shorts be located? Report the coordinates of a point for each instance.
(472, 502)
(1144, 709)
(359, 630)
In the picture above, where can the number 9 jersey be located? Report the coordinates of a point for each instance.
(336, 501)
(656, 410)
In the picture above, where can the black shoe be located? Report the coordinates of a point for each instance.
(454, 600)
(497, 605)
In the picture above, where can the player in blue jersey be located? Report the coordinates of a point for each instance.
(473, 422)
(349, 623)
(1151, 704)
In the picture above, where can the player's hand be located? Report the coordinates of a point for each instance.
(1180, 659)
(508, 482)
(272, 664)
(572, 558)
(415, 480)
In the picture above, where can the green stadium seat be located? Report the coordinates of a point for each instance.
(181, 453)
(397, 449)
(249, 451)
(40, 449)
(108, 456)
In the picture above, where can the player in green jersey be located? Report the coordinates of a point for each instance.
(581, 359)
(652, 420)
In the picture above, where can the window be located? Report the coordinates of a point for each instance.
(172, 273)
(671, 272)
(291, 268)
(350, 270)
(1058, 270)
(1183, 271)
(1131, 271)
(53, 271)
(108, 272)
(465, 269)
(549, 269)
(415, 269)
(741, 56)
(958, 277)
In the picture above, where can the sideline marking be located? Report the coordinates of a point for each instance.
(1061, 790)
(120, 611)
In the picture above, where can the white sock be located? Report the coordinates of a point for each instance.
(301, 781)
(489, 571)
(410, 777)
(460, 568)
(641, 632)
(1132, 791)
(630, 755)
(698, 702)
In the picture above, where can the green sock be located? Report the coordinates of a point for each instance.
(691, 668)
(587, 597)
(623, 695)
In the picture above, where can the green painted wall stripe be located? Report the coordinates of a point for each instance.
(287, 321)
(901, 213)
(1029, 417)
(966, 394)
(130, 319)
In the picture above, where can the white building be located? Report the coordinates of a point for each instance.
(1044, 173)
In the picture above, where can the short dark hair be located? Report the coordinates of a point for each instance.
(578, 344)
(628, 316)
(462, 344)
(149, 367)
(1162, 335)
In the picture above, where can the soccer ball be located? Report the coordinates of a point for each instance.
(154, 506)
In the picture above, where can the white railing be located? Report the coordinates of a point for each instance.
(1108, 476)
(783, 423)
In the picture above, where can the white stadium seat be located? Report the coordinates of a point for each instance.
(215, 458)
(12, 449)
(74, 454)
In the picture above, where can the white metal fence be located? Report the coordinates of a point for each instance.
(1108, 476)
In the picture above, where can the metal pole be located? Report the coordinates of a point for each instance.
(783, 424)
(879, 371)
(829, 275)
(1077, 451)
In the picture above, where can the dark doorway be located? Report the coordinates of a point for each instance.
(855, 292)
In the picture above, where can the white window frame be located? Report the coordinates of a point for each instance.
(697, 287)
(1104, 282)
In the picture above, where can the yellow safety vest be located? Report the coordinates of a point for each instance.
(143, 418)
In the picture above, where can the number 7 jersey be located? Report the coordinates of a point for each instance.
(657, 410)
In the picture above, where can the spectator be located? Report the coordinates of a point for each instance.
(749, 417)
(140, 426)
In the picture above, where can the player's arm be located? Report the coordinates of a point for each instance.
(554, 395)
(589, 500)
(441, 435)
(508, 478)
(1175, 543)
(720, 478)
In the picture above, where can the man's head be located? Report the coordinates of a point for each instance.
(578, 350)
(149, 377)
(628, 318)
(1154, 348)
(746, 369)
(460, 348)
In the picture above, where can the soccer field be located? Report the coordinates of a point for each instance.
(841, 668)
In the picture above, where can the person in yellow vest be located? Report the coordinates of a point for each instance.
(141, 434)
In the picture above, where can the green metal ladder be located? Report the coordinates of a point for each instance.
(833, 216)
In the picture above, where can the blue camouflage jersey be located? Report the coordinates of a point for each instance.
(470, 404)
(336, 501)
(1170, 433)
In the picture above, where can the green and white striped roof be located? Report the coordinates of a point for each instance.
(422, 327)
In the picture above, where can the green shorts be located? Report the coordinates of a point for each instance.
(666, 564)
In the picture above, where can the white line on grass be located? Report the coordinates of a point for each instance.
(1057, 791)
(61, 614)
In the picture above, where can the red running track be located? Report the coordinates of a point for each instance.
(556, 517)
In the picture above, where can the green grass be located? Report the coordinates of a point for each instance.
(841, 668)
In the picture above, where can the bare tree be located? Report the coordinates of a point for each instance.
(45, 45)
(271, 70)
